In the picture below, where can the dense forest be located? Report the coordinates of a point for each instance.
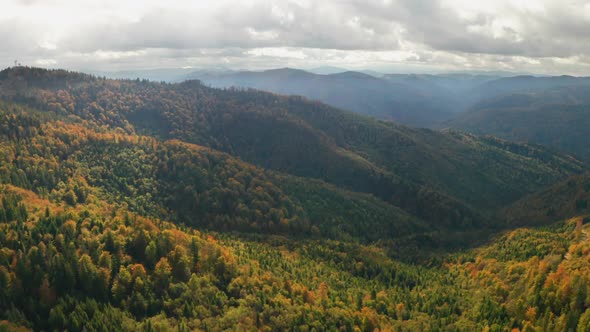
(385, 98)
(134, 205)
(563, 125)
(552, 111)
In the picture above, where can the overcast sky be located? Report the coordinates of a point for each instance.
(540, 36)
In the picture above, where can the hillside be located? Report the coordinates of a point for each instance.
(454, 91)
(563, 200)
(557, 118)
(438, 176)
(190, 184)
(95, 265)
(526, 84)
(132, 205)
(354, 91)
(419, 100)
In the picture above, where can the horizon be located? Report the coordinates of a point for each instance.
(177, 73)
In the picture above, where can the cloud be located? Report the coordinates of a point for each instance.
(551, 29)
(539, 35)
(320, 25)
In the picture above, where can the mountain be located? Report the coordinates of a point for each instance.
(556, 117)
(134, 205)
(526, 90)
(451, 85)
(526, 84)
(564, 200)
(422, 100)
(326, 70)
(354, 91)
(437, 176)
(200, 187)
(563, 127)
(95, 265)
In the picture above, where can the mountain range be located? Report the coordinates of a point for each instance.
(417, 100)
(138, 205)
(546, 110)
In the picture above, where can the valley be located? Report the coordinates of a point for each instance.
(176, 206)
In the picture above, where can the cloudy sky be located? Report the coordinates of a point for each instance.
(539, 36)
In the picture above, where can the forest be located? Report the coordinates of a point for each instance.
(130, 205)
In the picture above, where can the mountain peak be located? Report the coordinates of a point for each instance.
(353, 75)
(287, 71)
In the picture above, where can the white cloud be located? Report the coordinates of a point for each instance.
(278, 52)
(45, 62)
(547, 36)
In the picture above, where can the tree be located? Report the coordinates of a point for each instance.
(151, 254)
(70, 197)
(180, 263)
(88, 274)
(584, 322)
(121, 284)
(162, 274)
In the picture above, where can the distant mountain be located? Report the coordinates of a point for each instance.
(420, 100)
(526, 84)
(326, 70)
(457, 84)
(553, 111)
(389, 98)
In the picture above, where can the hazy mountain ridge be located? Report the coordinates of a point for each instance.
(384, 98)
(553, 112)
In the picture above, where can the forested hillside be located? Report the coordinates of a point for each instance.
(99, 267)
(196, 185)
(563, 200)
(408, 167)
(386, 99)
(552, 111)
(538, 85)
(562, 125)
(131, 205)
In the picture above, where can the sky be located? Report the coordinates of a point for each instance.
(536, 36)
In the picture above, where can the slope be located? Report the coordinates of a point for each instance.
(556, 118)
(85, 242)
(567, 199)
(189, 184)
(97, 266)
(525, 84)
(424, 172)
(353, 91)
